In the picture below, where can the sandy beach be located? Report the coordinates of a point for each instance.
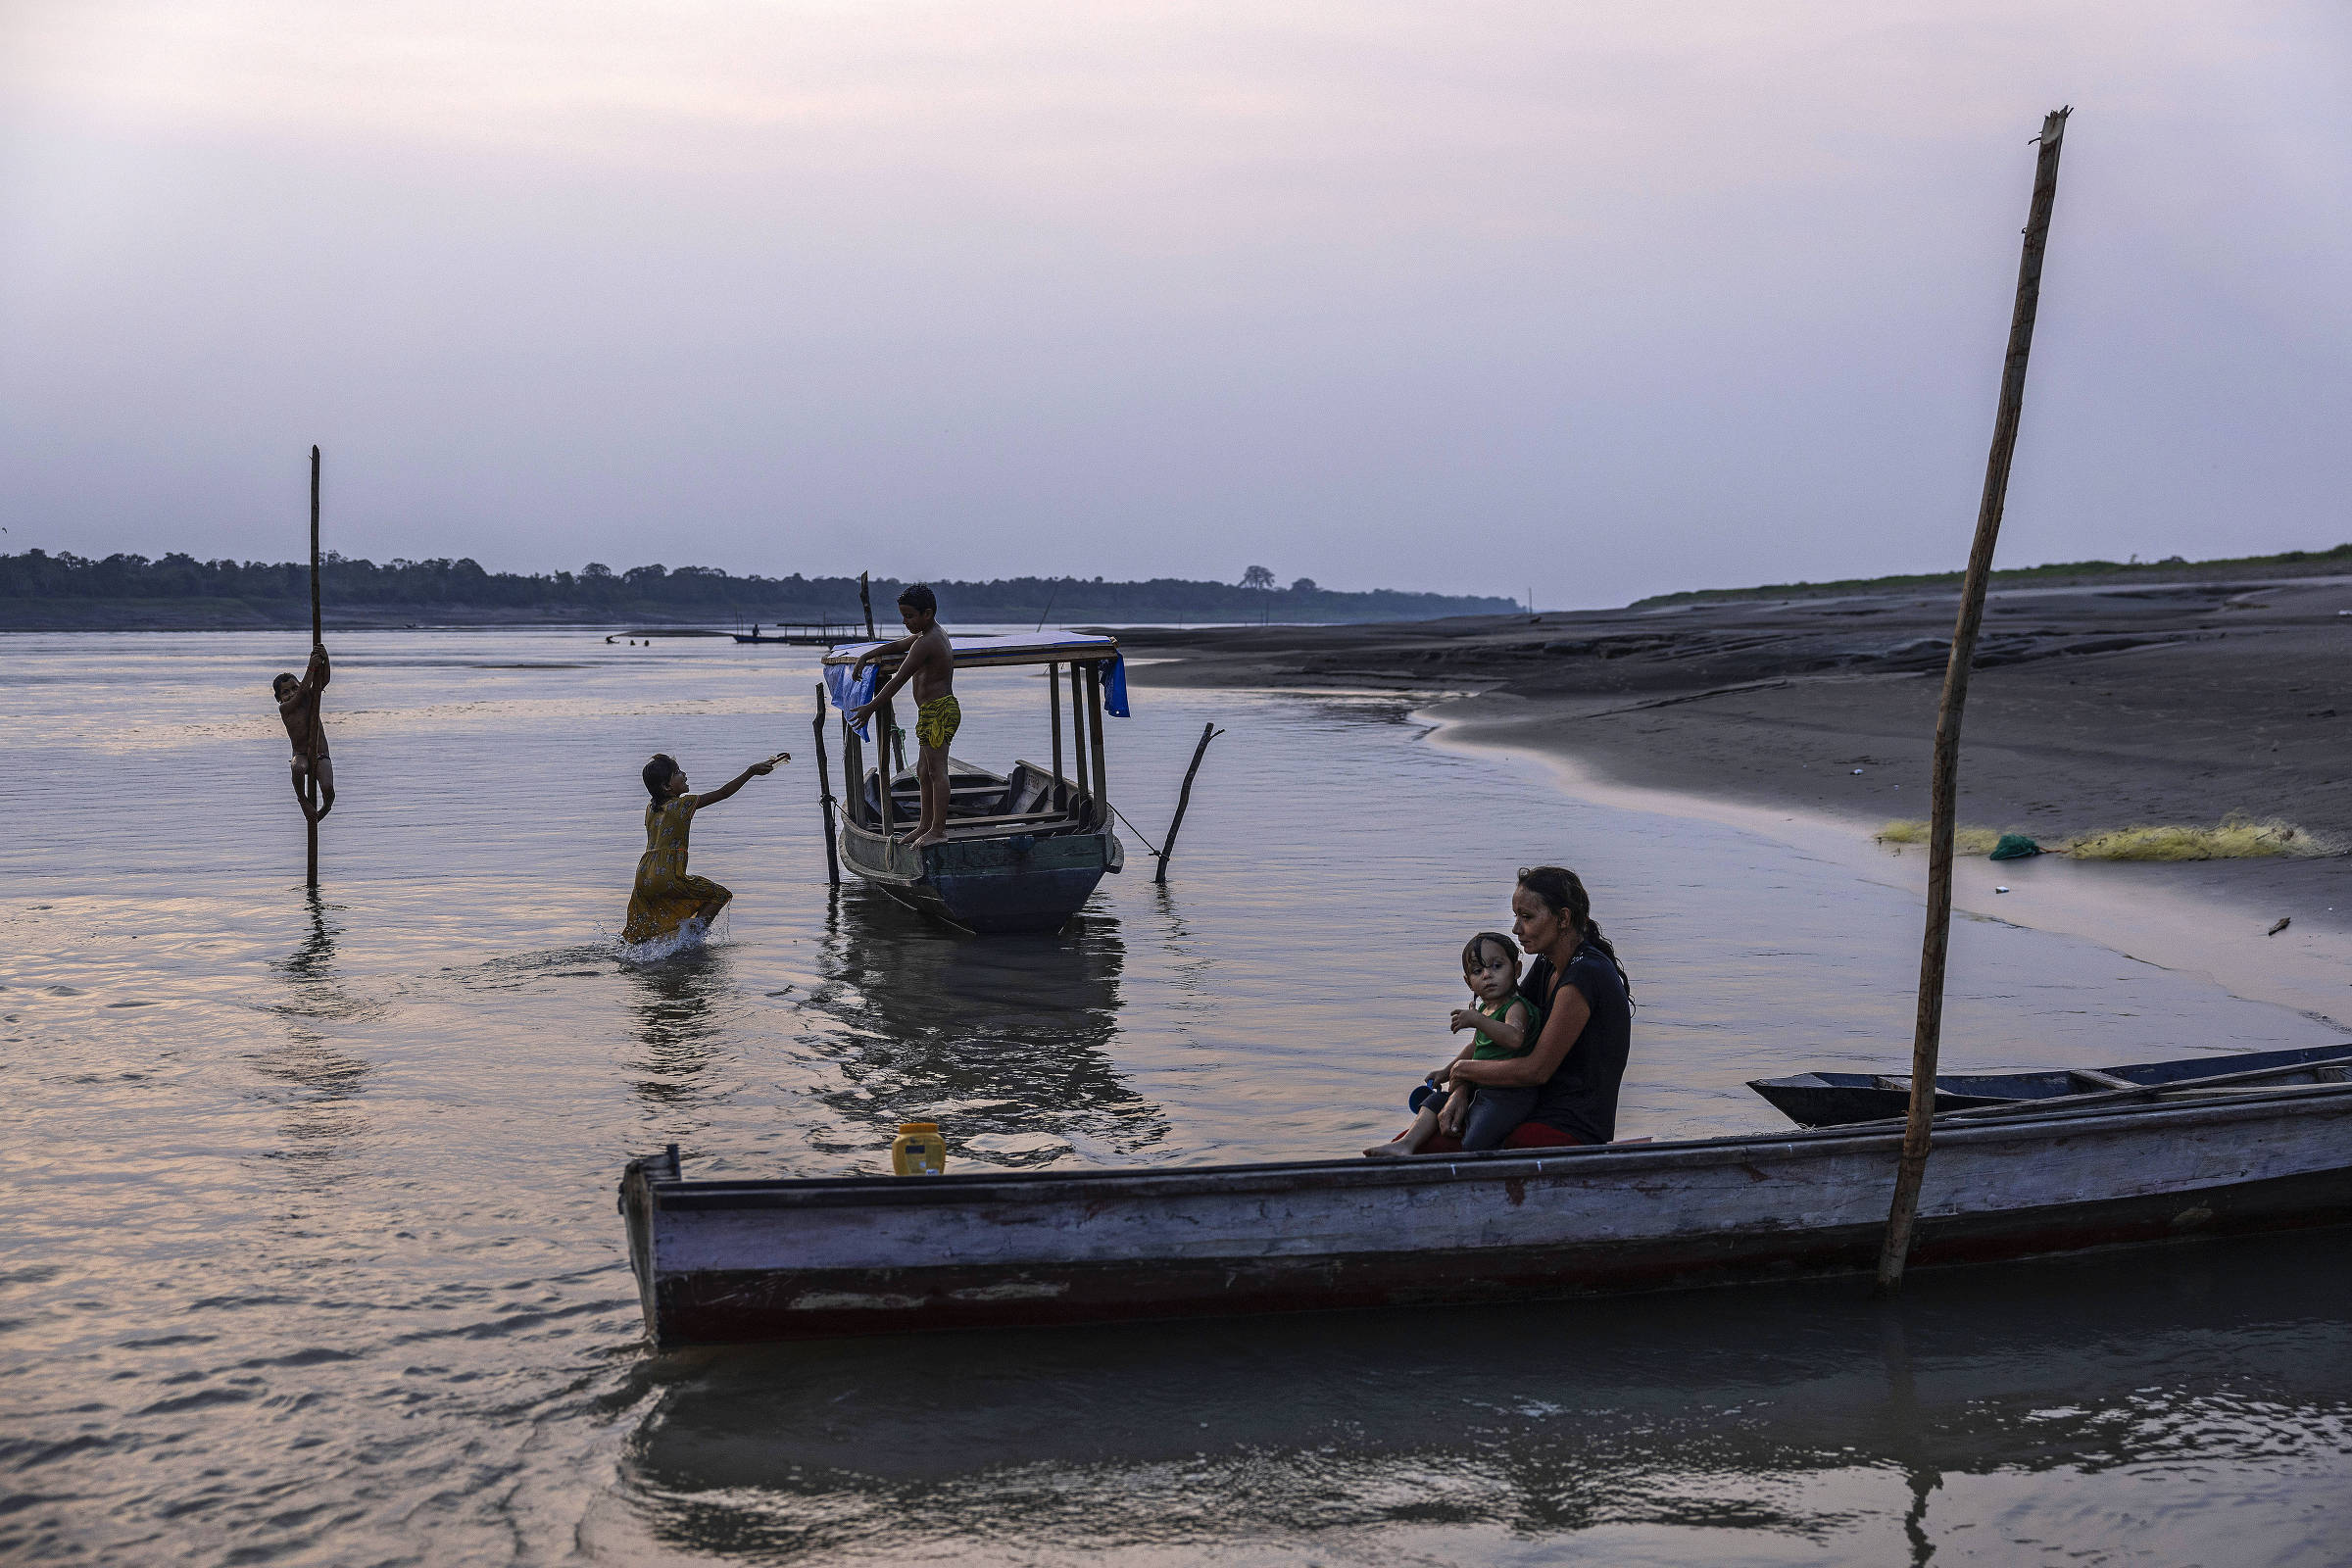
(2092, 708)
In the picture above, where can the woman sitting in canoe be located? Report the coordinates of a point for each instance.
(665, 900)
(1579, 990)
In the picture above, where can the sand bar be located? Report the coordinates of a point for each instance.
(2092, 708)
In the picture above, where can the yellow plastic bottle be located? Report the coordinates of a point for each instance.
(918, 1149)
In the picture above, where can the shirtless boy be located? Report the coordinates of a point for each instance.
(926, 658)
(298, 705)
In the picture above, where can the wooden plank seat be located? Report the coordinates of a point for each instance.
(993, 825)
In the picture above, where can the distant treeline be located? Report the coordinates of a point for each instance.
(664, 594)
(2289, 564)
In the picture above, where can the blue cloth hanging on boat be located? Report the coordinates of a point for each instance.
(850, 692)
(1114, 688)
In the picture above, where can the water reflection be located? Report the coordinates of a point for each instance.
(1800, 1413)
(323, 1113)
(679, 1021)
(1009, 1037)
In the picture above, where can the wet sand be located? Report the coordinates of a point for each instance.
(2091, 707)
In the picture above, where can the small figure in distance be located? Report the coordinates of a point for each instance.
(926, 658)
(298, 706)
(664, 898)
(1504, 1025)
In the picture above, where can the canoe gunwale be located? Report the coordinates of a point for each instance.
(670, 1193)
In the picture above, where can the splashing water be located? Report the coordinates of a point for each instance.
(692, 932)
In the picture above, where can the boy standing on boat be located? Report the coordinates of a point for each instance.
(927, 658)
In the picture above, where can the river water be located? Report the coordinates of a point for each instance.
(310, 1253)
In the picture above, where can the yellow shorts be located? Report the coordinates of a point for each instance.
(936, 722)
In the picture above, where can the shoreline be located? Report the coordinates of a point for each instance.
(1812, 722)
(2164, 920)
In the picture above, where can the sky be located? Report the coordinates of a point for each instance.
(1579, 299)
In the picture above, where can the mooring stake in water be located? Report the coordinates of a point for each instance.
(1927, 1037)
(1184, 798)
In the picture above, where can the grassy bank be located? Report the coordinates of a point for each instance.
(2059, 574)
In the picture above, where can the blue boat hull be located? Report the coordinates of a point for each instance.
(1018, 882)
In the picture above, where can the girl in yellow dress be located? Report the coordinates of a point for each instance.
(666, 897)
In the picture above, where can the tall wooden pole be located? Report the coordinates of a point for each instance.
(310, 783)
(1927, 1035)
(865, 602)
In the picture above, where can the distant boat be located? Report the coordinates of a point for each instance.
(1840, 1098)
(1026, 847)
(811, 634)
(734, 1259)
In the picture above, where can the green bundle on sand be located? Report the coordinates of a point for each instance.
(2237, 837)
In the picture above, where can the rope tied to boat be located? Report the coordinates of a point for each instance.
(1137, 831)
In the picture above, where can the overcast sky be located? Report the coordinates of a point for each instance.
(1598, 299)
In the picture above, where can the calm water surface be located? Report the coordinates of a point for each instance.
(311, 1256)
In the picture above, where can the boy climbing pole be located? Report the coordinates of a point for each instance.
(298, 706)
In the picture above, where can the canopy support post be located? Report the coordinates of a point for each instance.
(853, 773)
(883, 777)
(1054, 707)
(1078, 729)
(1094, 719)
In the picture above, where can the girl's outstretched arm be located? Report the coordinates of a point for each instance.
(756, 771)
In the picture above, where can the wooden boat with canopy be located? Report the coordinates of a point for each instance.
(1025, 847)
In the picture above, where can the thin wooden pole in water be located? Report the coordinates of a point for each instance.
(1927, 1037)
(824, 792)
(865, 602)
(1184, 798)
(310, 781)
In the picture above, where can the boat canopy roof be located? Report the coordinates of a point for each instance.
(851, 688)
(976, 648)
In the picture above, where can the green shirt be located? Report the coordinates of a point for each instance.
(1487, 1049)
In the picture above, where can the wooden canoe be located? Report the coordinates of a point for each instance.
(1840, 1098)
(730, 1260)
